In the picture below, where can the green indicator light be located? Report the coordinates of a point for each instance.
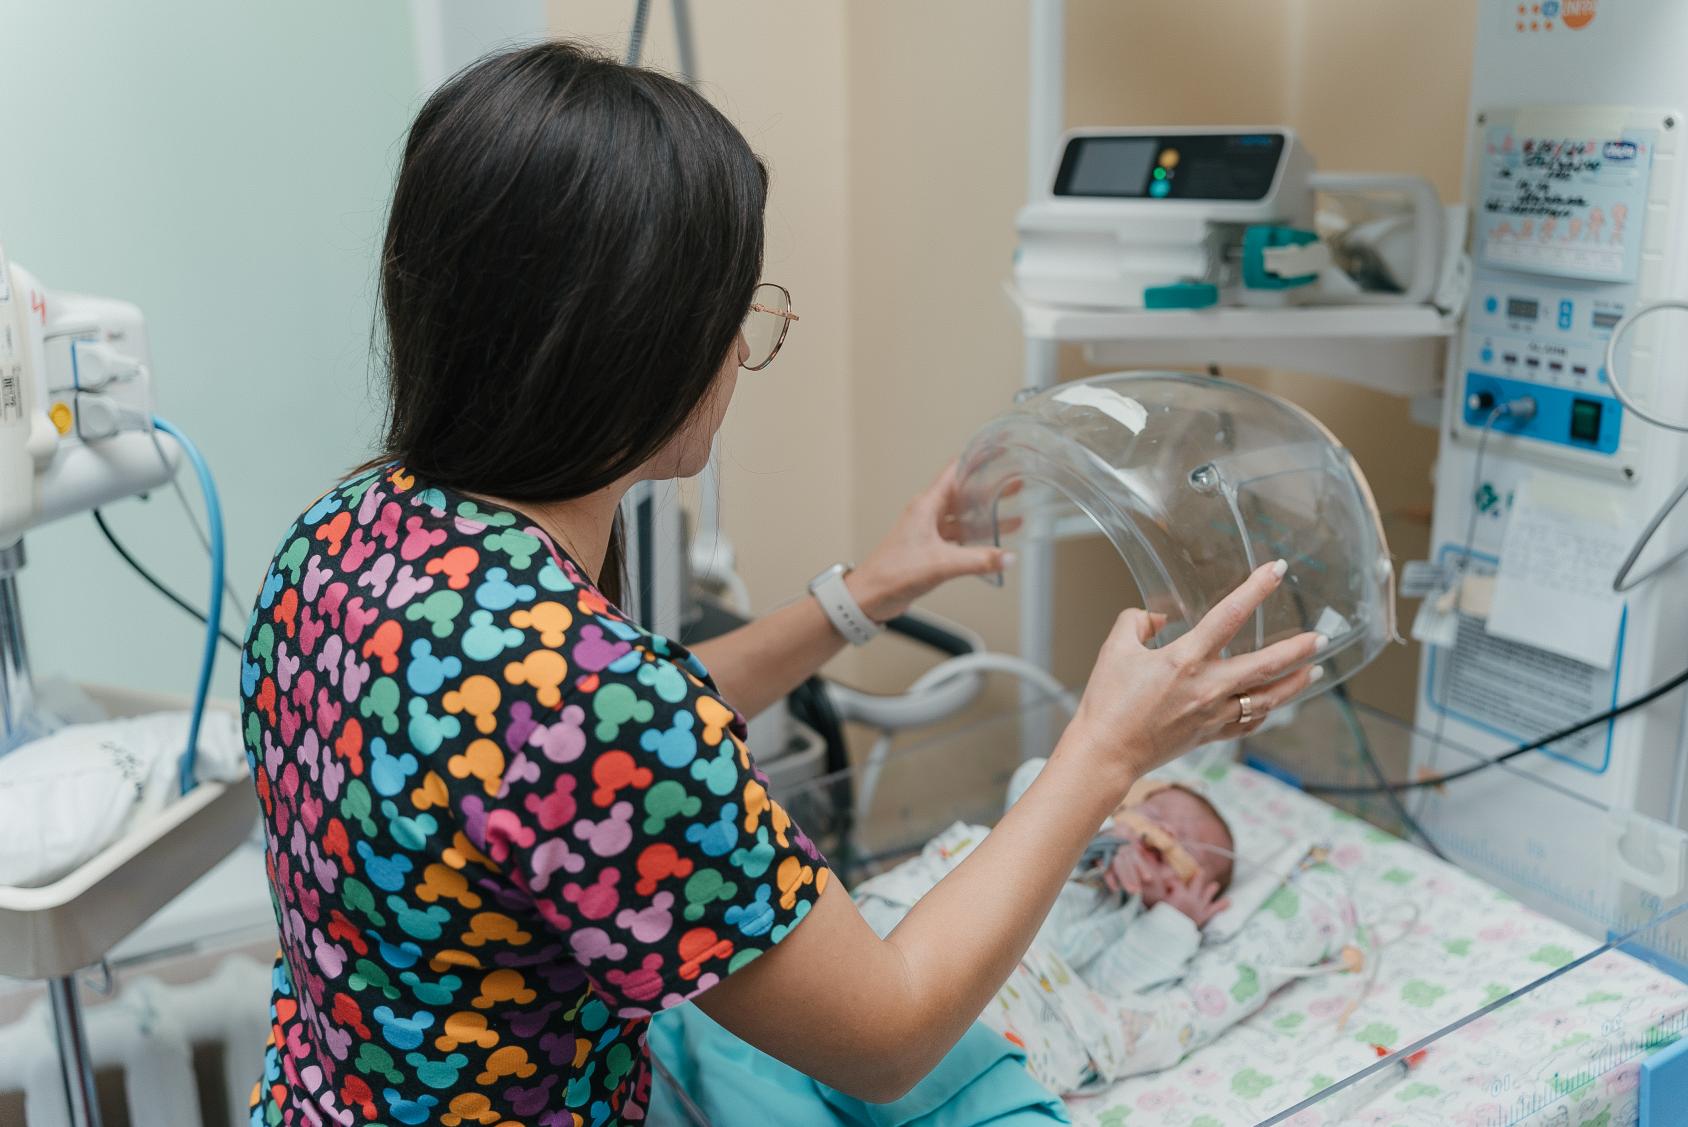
(1160, 174)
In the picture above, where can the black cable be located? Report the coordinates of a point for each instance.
(929, 634)
(811, 704)
(156, 583)
(1641, 701)
(1345, 704)
(1369, 754)
(1394, 789)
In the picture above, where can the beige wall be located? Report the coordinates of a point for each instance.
(1370, 88)
(896, 133)
(778, 71)
(937, 171)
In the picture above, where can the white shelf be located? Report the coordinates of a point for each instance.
(1393, 348)
(55, 929)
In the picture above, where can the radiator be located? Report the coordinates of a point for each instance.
(145, 1042)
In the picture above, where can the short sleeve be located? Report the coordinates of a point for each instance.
(634, 817)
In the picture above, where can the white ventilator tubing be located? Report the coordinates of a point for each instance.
(1618, 331)
(913, 708)
(965, 666)
(1623, 581)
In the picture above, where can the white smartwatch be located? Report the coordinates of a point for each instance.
(841, 607)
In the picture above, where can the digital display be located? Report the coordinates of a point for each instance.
(1111, 166)
(1606, 320)
(1206, 166)
(1585, 421)
(1522, 309)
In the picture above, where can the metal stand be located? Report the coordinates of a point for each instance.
(17, 692)
(76, 1066)
(17, 697)
(1045, 118)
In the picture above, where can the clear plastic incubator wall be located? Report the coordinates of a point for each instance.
(1197, 482)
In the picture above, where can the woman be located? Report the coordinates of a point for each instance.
(505, 824)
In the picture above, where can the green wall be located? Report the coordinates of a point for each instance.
(225, 166)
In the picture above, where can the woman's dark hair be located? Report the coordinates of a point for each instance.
(572, 248)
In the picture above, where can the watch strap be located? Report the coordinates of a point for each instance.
(846, 615)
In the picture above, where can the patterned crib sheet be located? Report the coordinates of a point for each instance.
(1469, 945)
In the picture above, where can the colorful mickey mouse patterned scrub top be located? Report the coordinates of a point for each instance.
(504, 824)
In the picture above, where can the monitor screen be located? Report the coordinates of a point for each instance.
(1193, 166)
(1111, 166)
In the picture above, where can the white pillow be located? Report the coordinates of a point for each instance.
(66, 796)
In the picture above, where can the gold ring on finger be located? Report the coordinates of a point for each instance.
(1245, 708)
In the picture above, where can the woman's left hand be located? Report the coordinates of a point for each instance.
(919, 554)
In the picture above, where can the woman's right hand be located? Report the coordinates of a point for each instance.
(1144, 707)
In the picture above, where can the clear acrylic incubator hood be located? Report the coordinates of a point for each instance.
(1196, 481)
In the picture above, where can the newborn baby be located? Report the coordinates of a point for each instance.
(1117, 981)
(1169, 845)
(1131, 917)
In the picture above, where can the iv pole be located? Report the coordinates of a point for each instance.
(1045, 119)
(641, 556)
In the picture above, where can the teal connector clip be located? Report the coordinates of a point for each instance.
(1257, 241)
(1181, 295)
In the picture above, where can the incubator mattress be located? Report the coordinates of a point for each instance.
(1471, 944)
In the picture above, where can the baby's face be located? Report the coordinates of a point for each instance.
(1188, 820)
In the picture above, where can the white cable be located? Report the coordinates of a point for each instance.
(1622, 581)
(1623, 326)
(908, 709)
(867, 784)
(998, 663)
(966, 664)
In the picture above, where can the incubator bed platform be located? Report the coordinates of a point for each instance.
(1521, 1018)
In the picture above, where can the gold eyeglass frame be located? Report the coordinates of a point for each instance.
(786, 316)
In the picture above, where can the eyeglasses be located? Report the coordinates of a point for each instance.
(766, 324)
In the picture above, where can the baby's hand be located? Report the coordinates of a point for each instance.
(1127, 871)
(1198, 900)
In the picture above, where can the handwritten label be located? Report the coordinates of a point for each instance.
(1570, 206)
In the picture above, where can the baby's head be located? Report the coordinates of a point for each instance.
(1192, 827)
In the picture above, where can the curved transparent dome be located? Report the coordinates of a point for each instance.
(1196, 482)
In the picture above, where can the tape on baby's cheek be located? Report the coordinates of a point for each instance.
(1163, 843)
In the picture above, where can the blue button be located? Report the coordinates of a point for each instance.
(1602, 375)
(1488, 355)
(1159, 188)
(1565, 308)
(1490, 305)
